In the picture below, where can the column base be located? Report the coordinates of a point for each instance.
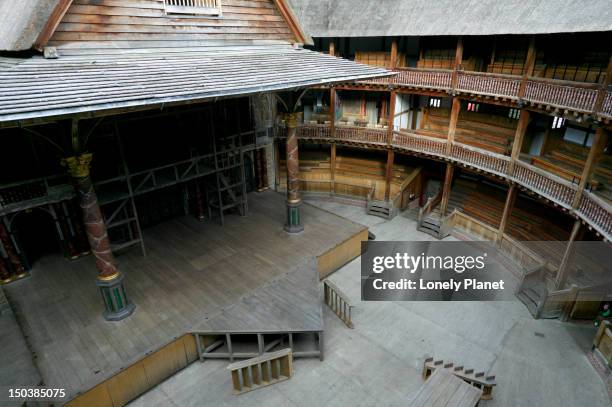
(115, 299)
(294, 222)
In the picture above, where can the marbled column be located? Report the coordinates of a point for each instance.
(294, 201)
(14, 268)
(109, 279)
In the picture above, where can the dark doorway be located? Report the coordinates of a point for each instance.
(36, 234)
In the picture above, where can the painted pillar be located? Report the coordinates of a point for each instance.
(110, 280)
(13, 266)
(294, 223)
(261, 170)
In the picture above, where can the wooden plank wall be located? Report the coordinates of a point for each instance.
(141, 376)
(340, 255)
(144, 24)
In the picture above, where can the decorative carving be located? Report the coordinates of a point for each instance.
(78, 166)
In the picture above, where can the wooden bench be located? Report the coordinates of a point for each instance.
(261, 371)
(444, 389)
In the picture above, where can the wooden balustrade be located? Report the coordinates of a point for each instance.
(548, 185)
(261, 371)
(596, 212)
(489, 84)
(422, 144)
(482, 159)
(361, 134)
(561, 94)
(314, 131)
(337, 302)
(423, 78)
(606, 107)
(28, 194)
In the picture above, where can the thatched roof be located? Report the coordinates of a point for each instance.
(21, 21)
(365, 18)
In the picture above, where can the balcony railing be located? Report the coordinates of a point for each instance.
(592, 209)
(420, 144)
(596, 212)
(567, 95)
(606, 108)
(482, 159)
(561, 94)
(548, 185)
(489, 84)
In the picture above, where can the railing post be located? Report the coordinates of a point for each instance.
(599, 144)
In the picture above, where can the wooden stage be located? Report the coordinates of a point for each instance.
(196, 274)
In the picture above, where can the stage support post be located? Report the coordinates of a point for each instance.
(110, 280)
(294, 222)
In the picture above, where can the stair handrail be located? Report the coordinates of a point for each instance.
(431, 203)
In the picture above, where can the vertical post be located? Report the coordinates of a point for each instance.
(393, 62)
(332, 47)
(458, 60)
(452, 125)
(391, 117)
(389, 173)
(529, 66)
(604, 88)
(446, 191)
(519, 136)
(332, 112)
(110, 280)
(510, 200)
(332, 168)
(563, 267)
(294, 223)
(597, 148)
(276, 165)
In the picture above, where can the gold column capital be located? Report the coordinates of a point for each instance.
(292, 119)
(78, 165)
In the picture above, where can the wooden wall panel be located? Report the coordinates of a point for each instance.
(142, 375)
(144, 24)
(340, 255)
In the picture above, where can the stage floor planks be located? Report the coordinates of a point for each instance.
(193, 272)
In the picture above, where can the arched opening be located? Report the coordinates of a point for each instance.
(36, 235)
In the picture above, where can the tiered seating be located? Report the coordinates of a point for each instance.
(486, 204)
(567, 161)
(492, 133)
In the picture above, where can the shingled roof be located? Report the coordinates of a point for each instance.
(365, 18)
(36, 87)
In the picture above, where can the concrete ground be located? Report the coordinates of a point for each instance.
(537, 362)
